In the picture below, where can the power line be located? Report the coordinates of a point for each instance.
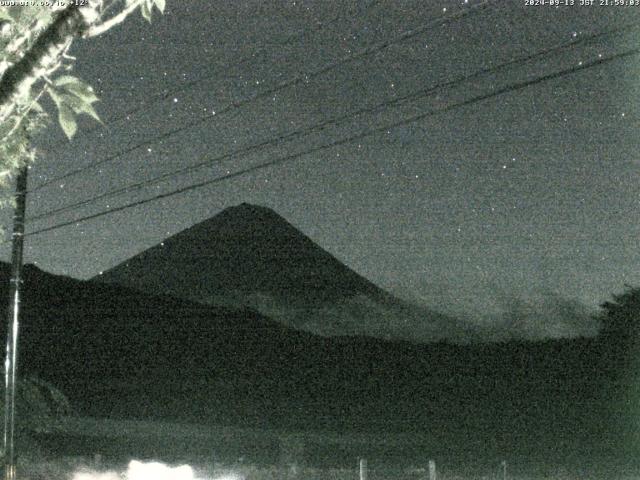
(303, 78)
(406, 121)
(188, 85)
(324, 124)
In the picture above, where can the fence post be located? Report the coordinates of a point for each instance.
(432, 470)
(504, 470)
(363, 469)
(292, 453)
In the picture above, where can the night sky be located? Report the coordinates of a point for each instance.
(525, 201)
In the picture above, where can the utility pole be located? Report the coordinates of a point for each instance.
(10, 364)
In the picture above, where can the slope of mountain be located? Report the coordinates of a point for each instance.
(250, 256)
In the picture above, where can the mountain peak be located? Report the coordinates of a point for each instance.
(245, 249)
(248, 208)
(247, 212)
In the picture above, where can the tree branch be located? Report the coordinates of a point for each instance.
(100, 28)
(45, 52)
(22, 115)
(23, 37)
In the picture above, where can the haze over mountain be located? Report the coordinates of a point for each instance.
(250, 256)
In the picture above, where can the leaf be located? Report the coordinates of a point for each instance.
(78, 105)
(5, 128)
(76, 87)
(65, 113)
(44, 15)
(5, 15)
(66, 79)
(146, 11)
(75, 97)
(36, 107)
(5, 28)
(160, 4)
(54, 96)
(74, 103)
(82, 91)
(89, 110)
(67, 121)
(16, 12)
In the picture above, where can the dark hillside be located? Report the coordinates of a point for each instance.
(117, 352)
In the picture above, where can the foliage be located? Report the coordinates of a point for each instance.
(619, 341)
(72, 97)
(618, 361)
(620, 318)
(38, 406)
(34, 42)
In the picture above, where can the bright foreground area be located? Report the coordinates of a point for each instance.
(82, 469)
(135, 470)
(140, 471)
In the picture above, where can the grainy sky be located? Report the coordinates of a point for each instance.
(531, 196)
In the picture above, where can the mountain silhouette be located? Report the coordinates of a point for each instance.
(247, 249)
(249, 256)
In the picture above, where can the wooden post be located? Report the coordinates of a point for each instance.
(363, 469)
(432, 470)
(504, 470)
